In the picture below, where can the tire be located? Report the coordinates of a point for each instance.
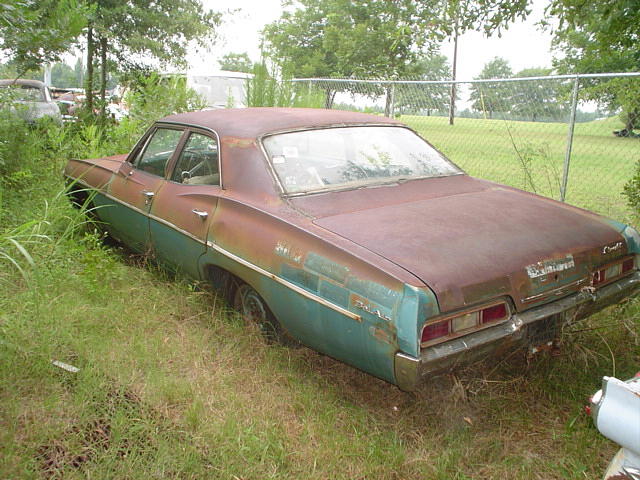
(255, 311)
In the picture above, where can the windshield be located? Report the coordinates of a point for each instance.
(351, 157)
(26, 93)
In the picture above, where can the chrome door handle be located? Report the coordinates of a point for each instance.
(201, 214)
(148, 196)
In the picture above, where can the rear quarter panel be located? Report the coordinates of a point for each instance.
(385, 308)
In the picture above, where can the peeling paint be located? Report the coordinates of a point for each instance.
(233, 142)
(550, 266)
(287, 251)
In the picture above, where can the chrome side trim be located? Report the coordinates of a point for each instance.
(286, 283)
(556, 291)
(226, 253)
(144, 212)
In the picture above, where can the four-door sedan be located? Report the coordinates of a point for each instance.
(354, 236)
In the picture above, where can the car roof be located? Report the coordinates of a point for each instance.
(22, 81)
(257, 121)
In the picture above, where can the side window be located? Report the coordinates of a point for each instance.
(198, 162)
(158, 151)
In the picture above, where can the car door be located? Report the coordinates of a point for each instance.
(185, 202)
(133, 187)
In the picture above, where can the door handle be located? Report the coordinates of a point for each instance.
(201, 214)
(148, 196)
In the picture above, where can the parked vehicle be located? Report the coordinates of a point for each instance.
(616, 412)
(354, 236)
(35, 99)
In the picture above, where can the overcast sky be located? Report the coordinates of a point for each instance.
(523, 44)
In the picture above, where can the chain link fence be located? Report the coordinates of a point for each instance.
(536, 133)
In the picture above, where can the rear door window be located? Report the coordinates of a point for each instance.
(198, 161)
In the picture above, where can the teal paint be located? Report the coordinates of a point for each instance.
(300, 277)
(326, 268)
(630, 234)
(176, 250)
(417, 305)
(373, 291)
(127, 224)
(334, 293)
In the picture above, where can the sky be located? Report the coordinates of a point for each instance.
(522, 44)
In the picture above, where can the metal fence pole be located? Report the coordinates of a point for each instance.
(572, 124)
(389, 100)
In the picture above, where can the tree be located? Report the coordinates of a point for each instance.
(490, 97)
(34, 33)
(62, 75)
(535, 99)
(351, 39)
(596, 37)
(134, 33)
(236, 62)
(414, 98)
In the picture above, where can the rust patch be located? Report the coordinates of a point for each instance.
(233, 142)
(382, 335)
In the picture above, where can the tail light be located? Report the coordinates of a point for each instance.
(467, 321)
(612, 271)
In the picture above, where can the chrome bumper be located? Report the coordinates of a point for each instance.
(409, 371)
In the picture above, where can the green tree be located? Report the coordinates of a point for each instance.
(236, 62)
(536, 99)
(345, 38)
(135, 33)
(62, 75)
(596, 37)
(414, 98)
(33, 33)
(489, 97)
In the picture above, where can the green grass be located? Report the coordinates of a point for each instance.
(173, 385)
(530, 155)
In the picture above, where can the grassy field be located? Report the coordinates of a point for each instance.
(530, 155)
(173, 385)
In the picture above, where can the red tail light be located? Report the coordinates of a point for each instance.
(491, 314)
(628, 265)
(598, 277)
(464, 322)
(612, 271)
(435, 330)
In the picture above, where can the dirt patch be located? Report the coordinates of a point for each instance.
(90, 438)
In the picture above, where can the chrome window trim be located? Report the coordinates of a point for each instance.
(204, 129)
(286, 194)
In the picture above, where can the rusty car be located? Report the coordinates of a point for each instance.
(353, 235)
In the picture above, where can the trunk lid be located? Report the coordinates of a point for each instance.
(470, 240)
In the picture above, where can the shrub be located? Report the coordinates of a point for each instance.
(632, 190)
(155, 97)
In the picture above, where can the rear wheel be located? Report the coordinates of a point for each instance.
(255, 311)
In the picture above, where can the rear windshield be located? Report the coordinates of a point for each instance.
(352, 157)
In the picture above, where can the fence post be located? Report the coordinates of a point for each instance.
(389, 100)
(572, 124)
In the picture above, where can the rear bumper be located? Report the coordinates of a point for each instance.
(410, 371)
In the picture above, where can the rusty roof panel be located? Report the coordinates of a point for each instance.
(254, 122)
